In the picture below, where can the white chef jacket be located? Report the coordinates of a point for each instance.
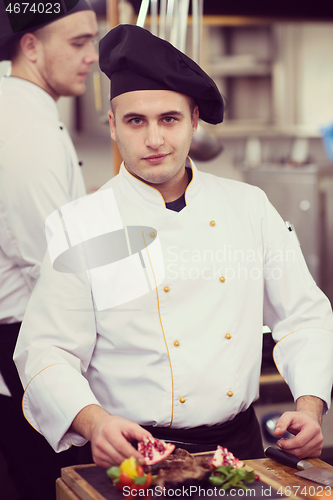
(188, 352)
(39, 171)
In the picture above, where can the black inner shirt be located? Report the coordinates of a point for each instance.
(179, 204)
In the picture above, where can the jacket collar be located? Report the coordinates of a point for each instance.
(31, 94)
(139, 189)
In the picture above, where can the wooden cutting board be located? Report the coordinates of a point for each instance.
(88, 482)
(273, 473)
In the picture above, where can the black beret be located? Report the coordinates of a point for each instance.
(30, 15)
(135, 59)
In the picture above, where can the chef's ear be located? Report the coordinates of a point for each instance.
(112, 122)
(29, 46)
(195, 119)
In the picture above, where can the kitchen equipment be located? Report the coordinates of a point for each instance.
(142, 13)
(204, 146)
(307, 470)
(253, 152)
(268, 424)
(295, 193)
(172, 21)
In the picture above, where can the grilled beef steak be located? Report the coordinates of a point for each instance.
(181, 467)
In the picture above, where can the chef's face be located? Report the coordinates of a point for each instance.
(153, 130)
(65, 52)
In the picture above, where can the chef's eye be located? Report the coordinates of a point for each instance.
(168, 119)
(80, 42)
(136, 121)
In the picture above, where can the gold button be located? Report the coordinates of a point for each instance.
(182, 399)
(228, 336)
(176, 343)
(212, 223)
(230, 394)
(222, 279)
(152, 234)
(166, 289)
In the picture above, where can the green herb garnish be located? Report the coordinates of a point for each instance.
(226, 476)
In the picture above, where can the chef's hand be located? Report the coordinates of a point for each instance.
(109, 435)
(305, 424)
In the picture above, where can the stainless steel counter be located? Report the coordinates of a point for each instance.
(302, 195)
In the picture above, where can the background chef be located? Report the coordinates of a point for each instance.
(180, 360)
(51, 56)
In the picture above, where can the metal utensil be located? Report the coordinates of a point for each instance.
(307, 470)
(142, 13)
(197, 20)
(154, 17)
(162, 27)
(204, 146)
(174, 34)
(169, 17)
(182, 23)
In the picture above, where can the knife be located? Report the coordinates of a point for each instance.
(307, 470)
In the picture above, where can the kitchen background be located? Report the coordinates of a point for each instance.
(274, 66)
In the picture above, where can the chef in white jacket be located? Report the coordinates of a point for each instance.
(50, 56)
(147, 318)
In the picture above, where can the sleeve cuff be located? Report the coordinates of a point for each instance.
(52, 400)
(299, 359)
